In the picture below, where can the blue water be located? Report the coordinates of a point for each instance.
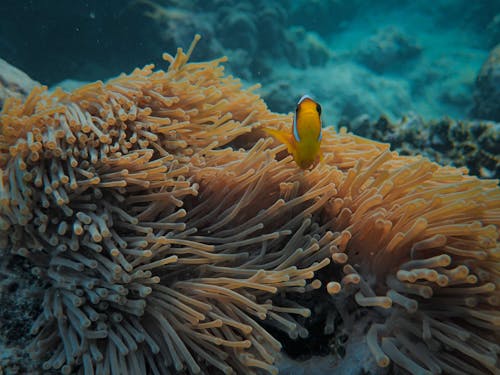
(356, 57)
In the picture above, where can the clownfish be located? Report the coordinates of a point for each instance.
(305, 138)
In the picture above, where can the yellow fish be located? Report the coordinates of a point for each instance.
(305, 139)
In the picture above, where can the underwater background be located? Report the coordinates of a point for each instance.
(421, 76)
(356, 57)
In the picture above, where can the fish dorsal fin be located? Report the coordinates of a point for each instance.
(304, 97)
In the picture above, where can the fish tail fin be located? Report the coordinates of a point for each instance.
(280, 136)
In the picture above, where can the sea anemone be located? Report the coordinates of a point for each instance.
(172, 237)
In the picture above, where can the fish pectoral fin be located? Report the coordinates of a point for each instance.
(281, 136)
(319, 158)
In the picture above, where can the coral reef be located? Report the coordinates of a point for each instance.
(487, 90)
(354, 91)
(494, 30)
(171, 236)
(311, 50)
(244, 31)
(388, 49)
(471, 144)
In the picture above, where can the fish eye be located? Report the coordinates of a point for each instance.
(318, 108)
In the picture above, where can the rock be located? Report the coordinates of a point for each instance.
(356, 358)
(69, 84)
(14, 82)
(487, 89)
(20, 304)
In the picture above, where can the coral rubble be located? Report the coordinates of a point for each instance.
(172, 237)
